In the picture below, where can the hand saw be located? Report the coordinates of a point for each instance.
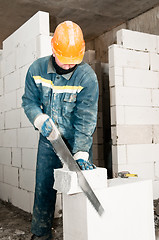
(66, 157)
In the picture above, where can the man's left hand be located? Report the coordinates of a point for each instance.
(85, 165)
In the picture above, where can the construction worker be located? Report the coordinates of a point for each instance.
(61, 91)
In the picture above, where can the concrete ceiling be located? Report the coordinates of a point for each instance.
(94, 16)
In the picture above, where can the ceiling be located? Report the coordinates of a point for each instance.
(94, 16)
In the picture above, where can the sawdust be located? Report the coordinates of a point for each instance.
(15, 224)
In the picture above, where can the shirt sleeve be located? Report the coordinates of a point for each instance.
(85, 115)
(31, 99)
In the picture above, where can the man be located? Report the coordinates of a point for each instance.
(61, 92)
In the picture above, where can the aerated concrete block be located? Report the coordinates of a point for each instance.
(10, 138)
(67, 181)
(27, 137)
(115, 76)
(21, 199)
(1, 86)
(123, 204)
(29, 157)
(1, 172)
(137, 40)
(27, 179)
(120, 57)
(16, 157)
(11, 175)
(43, 46)
(1, 121)
(5, 192)
(12, 119)
(5, 156)
(10, 101)
(154, 62)
(155, 189)
(11, 82)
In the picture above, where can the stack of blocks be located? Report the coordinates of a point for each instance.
(18, 139)
(128, 206)
(134, 90)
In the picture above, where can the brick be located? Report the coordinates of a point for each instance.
(155, 133)
(128, 96)
(29, 157)
(16, 157)
(22, 74)
(67, 181)
(26, 53)
(1, 172)
(116, 76)
(132, 134)
(1, 86)
(27, 137)
(11, 82)
(5, 192)
(119, 154)
(10, 101)
(19, 94)
(43, 46)
(155, 190)
(155, 97)
(1, 121)
(12, 119)
(154, 62)
(11, 175)
(27, 179)
(10, 138)
(79, 214)
(137, 40)
(120, 57)
(117, 115)
(5, 156)
(140, 78)
(139, 115)
(24, 120)
(89, 56)
(21, 199)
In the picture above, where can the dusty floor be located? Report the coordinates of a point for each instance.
(15, 224)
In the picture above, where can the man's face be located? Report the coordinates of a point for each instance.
(61, 65)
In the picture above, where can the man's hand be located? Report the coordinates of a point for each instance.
(85, 165)
(46, 127)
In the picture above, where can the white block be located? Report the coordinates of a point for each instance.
(154, 62)
(117, 115)
(29, 157)
(10, 101)
(16, 157)
(36, 25)
(32, 200)
(120, 57)
(143, 170)
(155, 97)
(156, 152)
(140, 78)
(1, 104)
(58, 206)
(132, 134)
(27, 137)
(21, 199)
(137, 40)
(5, 192)
(11, 175)
(157, 171)
(19, 94)
(11, 82)
(9, 63)
(119, 155)
(12, 119)
(22, 74)
(5, 156)
(155, 189)
(1, 86)
(43, 46)
(155, 134)
(1, 172)
(1, 121)
(81, 222)
(67, 181)
(1, 138)
(10, 138)
(115, 76)
(27, 179)
(24, 120)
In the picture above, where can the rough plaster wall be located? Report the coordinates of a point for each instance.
(134, 83)
(147, 22)
(18, 139)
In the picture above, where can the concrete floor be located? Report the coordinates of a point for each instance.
(15, 224)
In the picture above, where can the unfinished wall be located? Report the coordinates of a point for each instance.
(18, 139)
(134, 89)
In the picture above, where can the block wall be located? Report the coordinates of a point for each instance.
(134, 100)
(18, 139)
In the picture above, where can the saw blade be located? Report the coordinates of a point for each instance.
(66, 157)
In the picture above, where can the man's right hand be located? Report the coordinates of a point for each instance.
(46, 127)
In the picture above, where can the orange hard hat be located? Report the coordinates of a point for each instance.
(68, 44)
